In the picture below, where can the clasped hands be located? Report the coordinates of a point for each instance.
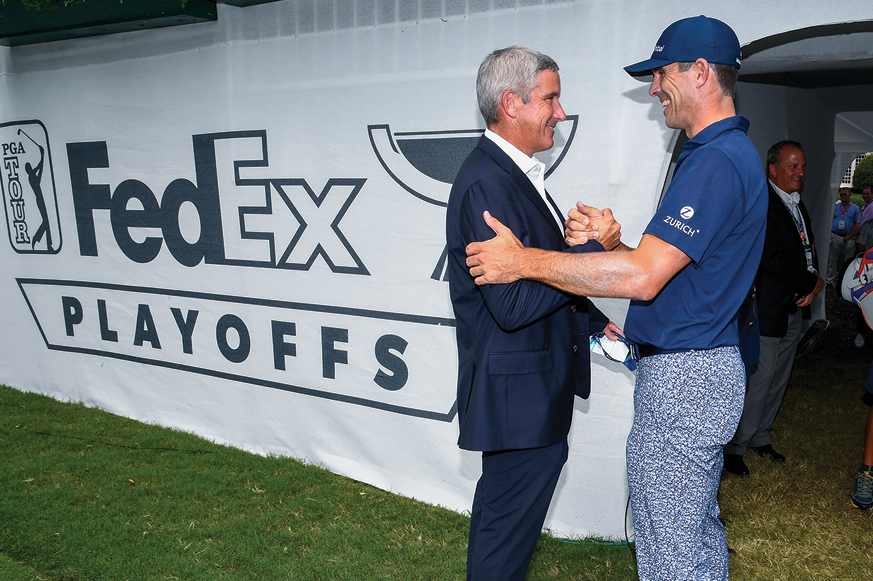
(586, 223)
(501, 259)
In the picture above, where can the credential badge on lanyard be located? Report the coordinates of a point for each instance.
(807, 247)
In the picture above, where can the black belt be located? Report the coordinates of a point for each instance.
(641, 351)
(838, 233)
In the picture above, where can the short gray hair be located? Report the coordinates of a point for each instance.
(515, 69)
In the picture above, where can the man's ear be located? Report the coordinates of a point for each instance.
(508, 103)
(771, 169)
(701, 67)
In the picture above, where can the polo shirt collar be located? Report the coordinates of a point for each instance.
(713, 130)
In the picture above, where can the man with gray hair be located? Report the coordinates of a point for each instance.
(688, 277)
(522, 347)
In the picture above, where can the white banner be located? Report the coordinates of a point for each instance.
(237, 228)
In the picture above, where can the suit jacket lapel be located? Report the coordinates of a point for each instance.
(520, 179)
(789, 223)
(556, 208)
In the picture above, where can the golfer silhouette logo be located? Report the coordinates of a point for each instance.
(425, 163)
(28, 186)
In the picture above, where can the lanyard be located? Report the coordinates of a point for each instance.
(804, 240)
(798, 223)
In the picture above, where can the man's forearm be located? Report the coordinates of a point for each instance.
(601, 274)
(640, 273)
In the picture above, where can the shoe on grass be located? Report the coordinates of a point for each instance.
(767, 450)
(862, 495)
(734, 464)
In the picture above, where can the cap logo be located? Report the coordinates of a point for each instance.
(659, 48)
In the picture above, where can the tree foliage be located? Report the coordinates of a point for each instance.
(46, 5)
(863, 175)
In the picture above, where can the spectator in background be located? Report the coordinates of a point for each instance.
(786, 283)
(846, 215)
(864, 239)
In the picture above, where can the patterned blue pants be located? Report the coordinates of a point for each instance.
(686, 408)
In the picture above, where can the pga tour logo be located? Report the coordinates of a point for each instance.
(28, 188)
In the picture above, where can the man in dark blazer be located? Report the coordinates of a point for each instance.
(787, 281)
(522, 348)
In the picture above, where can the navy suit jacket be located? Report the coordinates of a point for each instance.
(522, 347)
(782, 272)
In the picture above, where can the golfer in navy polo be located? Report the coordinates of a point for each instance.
(688, 278)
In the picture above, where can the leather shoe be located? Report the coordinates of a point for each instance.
(734, 464)
(768, 451)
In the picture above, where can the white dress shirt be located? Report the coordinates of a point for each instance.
(533, 168)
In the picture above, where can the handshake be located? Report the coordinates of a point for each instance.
(586, 223)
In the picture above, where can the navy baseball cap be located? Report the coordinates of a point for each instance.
(689, 39)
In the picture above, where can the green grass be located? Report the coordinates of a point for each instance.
(795, 521)
(88, 495)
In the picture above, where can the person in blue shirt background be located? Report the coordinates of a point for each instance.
(846, 215)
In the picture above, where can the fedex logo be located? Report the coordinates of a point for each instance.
(239, 217)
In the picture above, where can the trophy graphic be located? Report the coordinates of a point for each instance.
(425, 163)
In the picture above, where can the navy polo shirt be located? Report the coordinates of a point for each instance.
(715, 211)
